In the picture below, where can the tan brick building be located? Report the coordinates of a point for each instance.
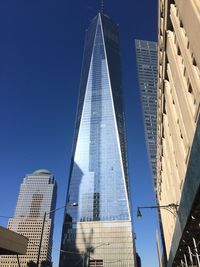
(37, 195)
(178, 142)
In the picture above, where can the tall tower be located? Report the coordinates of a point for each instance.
(146, 54)
(178, 128)
(37, 195)
(97, 229)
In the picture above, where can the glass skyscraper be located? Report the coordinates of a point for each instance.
(97, 229)
(37, 195)
(146, 54)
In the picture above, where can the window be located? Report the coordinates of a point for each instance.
(96, 263)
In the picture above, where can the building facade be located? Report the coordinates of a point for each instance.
(178, 132)
(146, 55)
(97, 229)
(37, 195)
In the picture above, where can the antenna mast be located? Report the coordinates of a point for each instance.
(102, 6)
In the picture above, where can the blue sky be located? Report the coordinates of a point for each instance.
(41, 53)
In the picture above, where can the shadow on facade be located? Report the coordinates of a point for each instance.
(89, 249)
(70, 255)
(186, 239)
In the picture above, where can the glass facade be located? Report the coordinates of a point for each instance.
(98, 182)
(146, 54)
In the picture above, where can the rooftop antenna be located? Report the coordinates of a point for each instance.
(102, 6)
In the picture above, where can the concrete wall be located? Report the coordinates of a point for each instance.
(178, 100)
(12, 243)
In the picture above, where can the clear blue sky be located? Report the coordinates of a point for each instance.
(41, 52)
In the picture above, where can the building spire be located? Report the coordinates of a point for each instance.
(102, 6)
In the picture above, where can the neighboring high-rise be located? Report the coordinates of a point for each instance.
(178, 128)
(97, 229)
(37, 195)
(146, 54)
